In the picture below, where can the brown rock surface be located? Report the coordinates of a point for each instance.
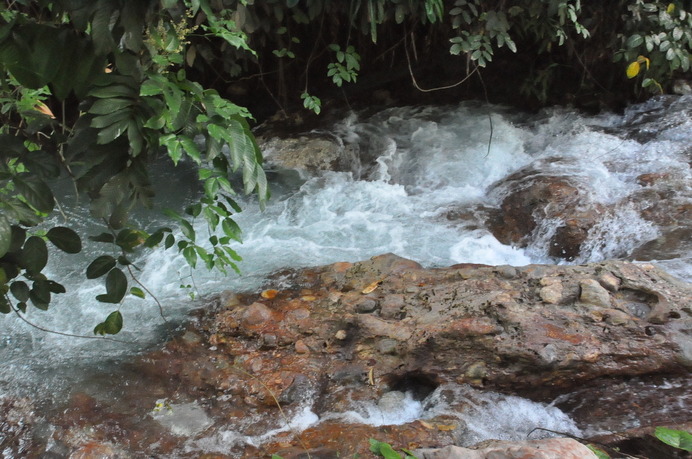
(538, 331)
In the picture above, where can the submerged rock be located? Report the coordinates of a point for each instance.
(532, 199)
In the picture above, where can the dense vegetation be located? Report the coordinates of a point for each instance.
(97, 90)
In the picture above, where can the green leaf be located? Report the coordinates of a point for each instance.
(40, 294)
(138, 292)
(54, 287)
(383, 449)
(190, 256)
(108, 119)
(600, 454)
(123, 260)
(112, 132)
(20, 291)
(100, 266)
(128, 239)
(18, 238)
(65, 239)
(36, 193)
(675, 438)
(113, 91)
(5, 235)
(231, 229)
(5, 307)
(34, 255)
(187, 230)
(107, 106)
(111, 326)
(154, 239)
(116, 287)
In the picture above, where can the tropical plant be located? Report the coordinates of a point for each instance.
(115, 70)
(656, 42)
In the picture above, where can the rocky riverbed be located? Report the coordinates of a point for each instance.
(608, 343)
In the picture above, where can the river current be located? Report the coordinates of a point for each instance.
(414, 165)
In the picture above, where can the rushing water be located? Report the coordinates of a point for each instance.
(414, 166)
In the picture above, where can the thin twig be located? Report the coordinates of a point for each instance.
(490, 118)
(158, 303)
(415, 82)
(271, 94)
(71, 335)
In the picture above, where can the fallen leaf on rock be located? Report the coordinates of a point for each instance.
(371, 287)
(446, 427)
(371, 377)
(269, 294)
(427, 425)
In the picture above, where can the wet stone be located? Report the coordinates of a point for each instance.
(366, 305)
(551, 294)
(593, 293)
(387, 346)
(257, 313)
(609, 282)
(392, 306)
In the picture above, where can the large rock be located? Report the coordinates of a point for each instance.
(530, 199)
(367, 332)
(309, 153)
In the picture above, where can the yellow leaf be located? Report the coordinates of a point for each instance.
(671, 8)
(371, 287)
(427, 425)
(644, 60)
(43, 108)
(633, 69)
(371, 376)
(269, 294)
(446, 427)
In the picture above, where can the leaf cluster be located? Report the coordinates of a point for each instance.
(116, 70)
(658, 35)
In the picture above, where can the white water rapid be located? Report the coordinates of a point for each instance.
(416, 167)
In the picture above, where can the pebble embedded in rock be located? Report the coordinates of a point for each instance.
(257, 313)
(301, 347)
(366, 305)
(552, 293)
(593, 293)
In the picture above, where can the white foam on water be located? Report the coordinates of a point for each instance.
(482, 248)
(480, 415)
(226, 439)
(400, 408)
(486, 415)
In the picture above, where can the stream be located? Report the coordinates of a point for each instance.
(421, 184)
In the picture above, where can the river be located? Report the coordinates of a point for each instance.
(414, 167)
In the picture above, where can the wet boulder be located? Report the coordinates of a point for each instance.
(310, 153)
(530, 199)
